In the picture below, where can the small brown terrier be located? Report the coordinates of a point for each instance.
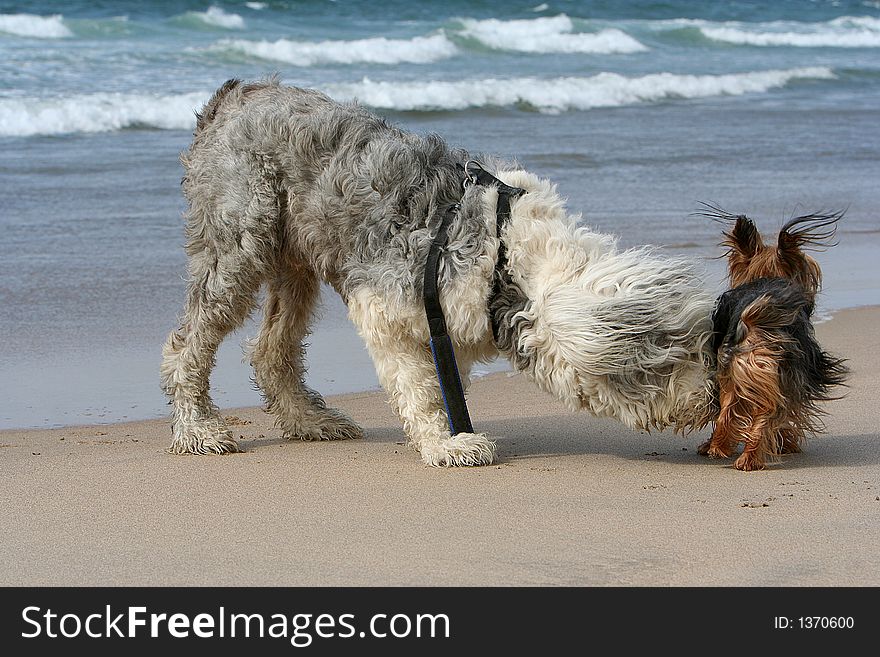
(771, 372)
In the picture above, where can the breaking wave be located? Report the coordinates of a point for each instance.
(212, 17)
(30, 25)
(562, 94)
(547, 35)
(100, 112)
(843, 32)
(377, 50)
(540, 35)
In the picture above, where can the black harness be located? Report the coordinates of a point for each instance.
(441, 344)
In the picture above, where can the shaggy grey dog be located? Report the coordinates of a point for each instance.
(288, 188)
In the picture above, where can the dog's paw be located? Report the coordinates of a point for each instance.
(330, 424)
(748, 462)
(202, 438)
(712, 451)
(463, 449)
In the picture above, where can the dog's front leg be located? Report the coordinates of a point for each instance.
(405, 368)
(406, 371)
(411, 381)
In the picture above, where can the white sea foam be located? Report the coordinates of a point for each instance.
(378, 50)
(569, 93)
(98, 112)
(257, 6)
(554, 34)
(216, 17)
(102, 112)
(842, 32)
(30, 25)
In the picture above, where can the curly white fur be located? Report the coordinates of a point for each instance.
(623, 334)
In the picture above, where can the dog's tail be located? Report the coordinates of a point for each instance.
(808, 375)
(231, 88)
(777, 322)
(209, 111)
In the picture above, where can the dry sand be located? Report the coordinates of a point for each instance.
(573, 501)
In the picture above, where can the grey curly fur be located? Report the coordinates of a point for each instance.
(288, 188)
(341, 189)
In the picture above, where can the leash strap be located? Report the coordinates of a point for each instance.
(441, 343)
(477, 175)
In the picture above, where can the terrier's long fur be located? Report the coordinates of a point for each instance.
(772, 374)
(287, 188)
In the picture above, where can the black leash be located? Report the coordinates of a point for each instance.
(441, 344)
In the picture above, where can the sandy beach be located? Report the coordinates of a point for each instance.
(572, 501)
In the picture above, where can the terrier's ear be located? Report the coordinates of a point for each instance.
(811, 231)
(744, 238)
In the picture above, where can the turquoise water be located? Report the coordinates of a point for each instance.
(638, 110)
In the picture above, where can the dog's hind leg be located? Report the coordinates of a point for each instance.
(790, 438)
(278, 359)
(218, 302)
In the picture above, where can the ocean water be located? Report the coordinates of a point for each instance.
(638, 111)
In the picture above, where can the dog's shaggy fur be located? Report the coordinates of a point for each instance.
(772, 374)
(288, 188)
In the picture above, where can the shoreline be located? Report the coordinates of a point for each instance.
(496, 368)
(572, 500)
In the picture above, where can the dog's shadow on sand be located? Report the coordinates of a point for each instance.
(576, 435)
(835, 451)
(561, 436)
